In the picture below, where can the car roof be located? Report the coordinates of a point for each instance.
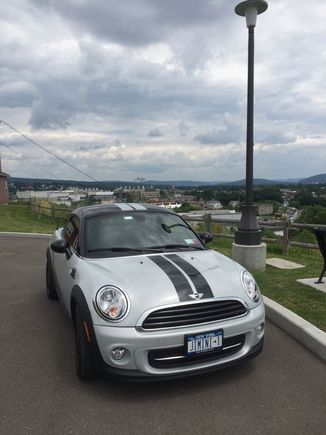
(96, 210)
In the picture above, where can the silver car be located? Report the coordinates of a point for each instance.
(147, 298)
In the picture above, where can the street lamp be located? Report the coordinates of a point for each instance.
(248, 233)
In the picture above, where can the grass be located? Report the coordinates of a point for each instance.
(281, 286)
(19, 218)
(277, 284)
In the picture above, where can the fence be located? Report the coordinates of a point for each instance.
(60, 214)
(284, 225)
(43, 208)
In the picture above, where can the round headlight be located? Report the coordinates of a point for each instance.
(111, 303)
(250, 286)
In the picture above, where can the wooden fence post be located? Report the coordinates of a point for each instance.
(285, 234)
(208, 222)
(53, 212)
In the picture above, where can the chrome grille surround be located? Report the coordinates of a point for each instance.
(193, 313)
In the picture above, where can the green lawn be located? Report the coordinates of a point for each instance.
(18, 217)
(279, 285)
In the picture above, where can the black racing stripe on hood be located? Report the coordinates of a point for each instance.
(177, 278)
(196, 277)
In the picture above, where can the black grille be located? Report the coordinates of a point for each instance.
(193, 314)
(176, 356)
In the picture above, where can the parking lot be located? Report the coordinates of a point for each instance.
(282, 391)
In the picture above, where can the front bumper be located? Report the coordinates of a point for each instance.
(139, 344)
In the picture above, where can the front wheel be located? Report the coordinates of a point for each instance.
(83, 350)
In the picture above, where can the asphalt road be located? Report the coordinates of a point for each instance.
(282, 391)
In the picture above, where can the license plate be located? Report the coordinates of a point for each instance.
(205, 342)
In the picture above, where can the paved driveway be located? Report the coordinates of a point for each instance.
(282, 391)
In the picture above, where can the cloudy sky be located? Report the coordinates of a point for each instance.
(157, 89)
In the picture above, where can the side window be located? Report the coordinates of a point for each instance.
(71, 233)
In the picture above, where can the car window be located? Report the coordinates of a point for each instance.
(71, 233)
(141, 230)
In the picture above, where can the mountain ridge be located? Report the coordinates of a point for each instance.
(320, 178)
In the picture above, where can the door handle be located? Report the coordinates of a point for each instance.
(72, 272)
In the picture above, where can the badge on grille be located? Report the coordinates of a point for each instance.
(196, 296)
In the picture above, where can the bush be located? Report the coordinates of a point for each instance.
(186, 208)
(314, 214)
(304, 236)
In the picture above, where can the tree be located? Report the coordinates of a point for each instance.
(185, 208)
(315, 214)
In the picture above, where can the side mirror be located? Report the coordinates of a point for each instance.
(60, 246)
(206, 237)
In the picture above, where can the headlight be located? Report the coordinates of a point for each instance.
(250, 286)
(111, 303)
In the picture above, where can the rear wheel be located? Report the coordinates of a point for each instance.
(51, 291)
(83, 349)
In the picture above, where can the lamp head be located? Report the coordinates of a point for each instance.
(250, 9)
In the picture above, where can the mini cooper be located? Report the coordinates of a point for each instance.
(147, 298)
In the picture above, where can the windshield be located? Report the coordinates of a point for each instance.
(109, 234)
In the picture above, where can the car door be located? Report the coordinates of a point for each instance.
(65, 264)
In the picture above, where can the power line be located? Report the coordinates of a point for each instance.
(48, 151)
(22, 156)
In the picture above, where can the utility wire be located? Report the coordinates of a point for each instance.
(48, 151)
(22, 156)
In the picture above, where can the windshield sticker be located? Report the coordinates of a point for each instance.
(190, 241)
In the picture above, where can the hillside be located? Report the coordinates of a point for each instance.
(112, 184)
(321, 178)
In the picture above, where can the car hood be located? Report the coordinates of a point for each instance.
(155, 280)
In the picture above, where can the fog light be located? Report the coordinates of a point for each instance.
(118, 353)
(260, 329)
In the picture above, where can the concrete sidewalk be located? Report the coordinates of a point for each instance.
(309, 335)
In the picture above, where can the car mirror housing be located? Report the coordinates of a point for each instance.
(60, 246)
(206, 237)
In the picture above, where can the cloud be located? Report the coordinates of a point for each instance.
(154, 133)
(183, 128)
(54, 108)
(79, 76)
(136, 22)
(229, 132)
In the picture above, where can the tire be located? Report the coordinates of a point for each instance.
(83, 349)
(51, 291)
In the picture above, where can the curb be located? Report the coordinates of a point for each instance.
(36, 235)
(306, 333)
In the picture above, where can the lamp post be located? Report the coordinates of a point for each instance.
(248, 233)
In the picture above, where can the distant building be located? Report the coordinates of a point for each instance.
(169, 205)
(149, 195)
(234, 204)
(3, 187)
(101, 195)
(56, 196)
(265, 209)
(214, 205)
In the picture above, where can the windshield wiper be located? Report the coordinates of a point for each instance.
(177, 245)
(121, 249)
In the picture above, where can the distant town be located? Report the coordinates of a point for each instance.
(271, 199)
